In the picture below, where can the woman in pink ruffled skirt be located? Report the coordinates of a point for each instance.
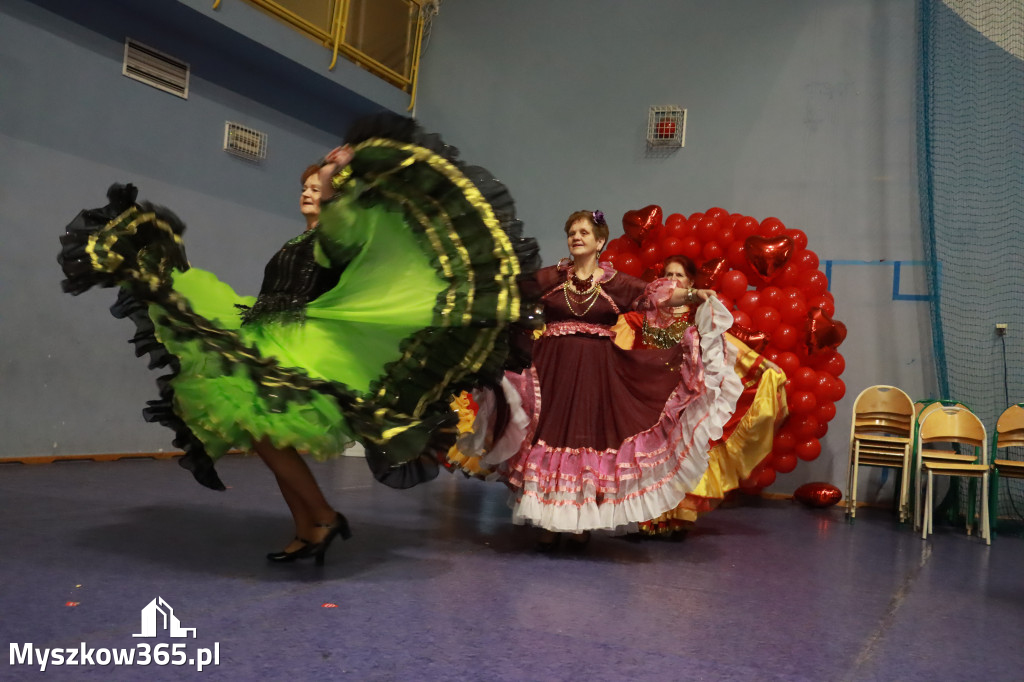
(593, 436)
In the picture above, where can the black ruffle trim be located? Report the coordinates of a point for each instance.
(520, 335)
(80, 276)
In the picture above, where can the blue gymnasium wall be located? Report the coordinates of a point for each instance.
(799, 109)
(71, 124)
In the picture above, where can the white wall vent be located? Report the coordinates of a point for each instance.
(155, 68)
(244, 142)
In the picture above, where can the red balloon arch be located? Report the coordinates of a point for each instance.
(765, 274)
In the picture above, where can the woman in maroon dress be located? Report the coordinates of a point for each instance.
(600, 437)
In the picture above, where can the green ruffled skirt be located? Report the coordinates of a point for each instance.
(428, 304)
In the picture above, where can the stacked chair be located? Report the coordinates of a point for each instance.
(929, 439)
(1009, 433)
(881, 435)
(951, 425)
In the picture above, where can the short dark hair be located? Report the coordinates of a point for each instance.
(689, 267)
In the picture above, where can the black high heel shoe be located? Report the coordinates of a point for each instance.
(317, 550)
(577, 542)
(284, 556)
(547, 542)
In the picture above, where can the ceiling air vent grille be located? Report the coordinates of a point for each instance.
(244, 142)
(155, 68)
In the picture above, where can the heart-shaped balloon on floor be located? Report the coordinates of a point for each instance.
(768, 255)
(638, 223)
(823, 333)
(710, 274)
(818, 494)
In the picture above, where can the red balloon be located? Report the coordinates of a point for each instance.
(838, 390)
(765, 478)
(822, 429)
(712, 251)
(734, 284)
(817, 494)
(756, 340)
(806, 260)
(671, 246)
(793, 311)
(679, 230)
(742, 319)
(785, 336)
(766, 319)
(803, 402)
(768, 255)
(694, 217)
(725, 236)
(675, 219)
(736, 254)
(785, 441)
(745, 226)
(772, 355)
(804, 378)
(749, 302)
(822, 387)
(789, 275)
(809, 449)
(771, 297)
(823, 333)
(719, 214)
(799, 238)
(823, 301)
(831, 362)
(772, 227)
(812, 282)
(691, 248)
(629, 264)
(710, 274)
(788, 362)
(637, 224)
(726, 301)
(706, 228)
(650, 254)
(805, 425)
(784, 463)
(792, 294)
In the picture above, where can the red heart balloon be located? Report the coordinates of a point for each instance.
(710, 274)
(768, 255)
(639, 223)
(756, 340)
(823, 333)
(818, 494)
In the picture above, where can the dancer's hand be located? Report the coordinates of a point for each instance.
(698, 295)
(336, 159)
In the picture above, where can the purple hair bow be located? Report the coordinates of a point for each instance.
(599, 217)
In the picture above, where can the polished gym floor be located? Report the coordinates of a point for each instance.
(437, 584)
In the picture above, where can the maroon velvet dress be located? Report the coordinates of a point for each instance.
(606, 437)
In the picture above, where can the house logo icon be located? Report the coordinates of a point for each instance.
(158, 616)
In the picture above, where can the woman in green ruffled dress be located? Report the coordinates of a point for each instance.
(403, 290)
